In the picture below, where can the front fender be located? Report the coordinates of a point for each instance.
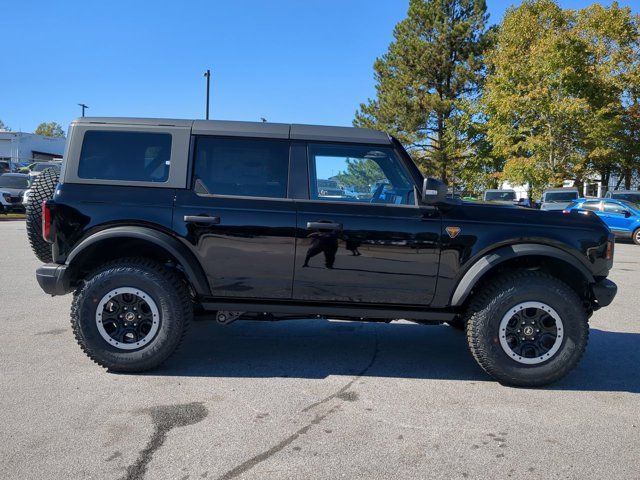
(486, 263)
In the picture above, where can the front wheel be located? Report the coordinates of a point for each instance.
(131, 315)
(527, 329)
(636, 236)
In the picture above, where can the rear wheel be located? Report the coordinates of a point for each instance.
(42, 189)
(131, 315)
(636, 236)
(527, 329)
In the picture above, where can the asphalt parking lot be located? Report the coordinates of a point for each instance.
(307, 399)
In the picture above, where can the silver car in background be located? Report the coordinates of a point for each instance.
(558, 198)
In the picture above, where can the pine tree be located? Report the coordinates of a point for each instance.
(432, 70)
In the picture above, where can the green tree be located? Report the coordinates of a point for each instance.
(432, 69)
(534, 95)
(361, 173)
(3, 127)
(612, 36)
(559, 92)
(50, 129)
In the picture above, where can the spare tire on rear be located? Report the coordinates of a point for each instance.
(42, 189)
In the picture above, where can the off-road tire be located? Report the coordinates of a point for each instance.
(167, 290)
(42, 189)
(490, 305)
(635, 236)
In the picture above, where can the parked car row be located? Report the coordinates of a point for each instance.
(622, 217)
(619, 209)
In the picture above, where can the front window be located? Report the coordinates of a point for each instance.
(611, 207)
(353, 173)
(558, 197)
(9, 181)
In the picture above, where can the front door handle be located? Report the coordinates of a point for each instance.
(202, 219)
(323, 226)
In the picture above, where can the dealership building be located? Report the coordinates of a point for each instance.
(20, 148)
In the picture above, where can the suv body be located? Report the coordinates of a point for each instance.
(558, 198)
(632, 196)
(238, 212)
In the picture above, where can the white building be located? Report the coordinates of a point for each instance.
(24, 148)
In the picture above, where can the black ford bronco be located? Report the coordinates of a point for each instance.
(152, 220)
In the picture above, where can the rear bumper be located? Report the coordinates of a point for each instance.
(51, 278)
(604, 292)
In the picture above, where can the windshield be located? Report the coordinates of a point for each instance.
(13, 182)
(560, 196)
(502, 196)
(43, 166)
(629, 197)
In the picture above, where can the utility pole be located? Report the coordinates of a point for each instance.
(207, 74)
(84, 107)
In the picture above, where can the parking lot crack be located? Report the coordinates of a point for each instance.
(346, 387)
(261, 457)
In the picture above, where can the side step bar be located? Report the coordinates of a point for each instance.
(359, 311)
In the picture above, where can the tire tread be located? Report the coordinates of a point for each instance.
(144, 265)
(490, 295)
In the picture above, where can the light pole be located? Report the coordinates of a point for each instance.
(207, 75)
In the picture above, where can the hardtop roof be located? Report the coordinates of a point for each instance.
(318, 133)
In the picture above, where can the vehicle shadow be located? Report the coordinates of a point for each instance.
(320, 348)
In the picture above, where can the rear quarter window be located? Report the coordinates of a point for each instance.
(128, 156)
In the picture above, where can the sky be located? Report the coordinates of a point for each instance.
(291, 61)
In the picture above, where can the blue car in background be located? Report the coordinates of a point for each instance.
(622, 217)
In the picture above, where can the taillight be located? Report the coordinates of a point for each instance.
(46, 221)
(610, 247)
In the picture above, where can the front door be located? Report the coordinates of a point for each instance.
(237, 217)
(360, 236)
(616, 216)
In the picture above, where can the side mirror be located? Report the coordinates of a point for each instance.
(433, 191)
(627, 213)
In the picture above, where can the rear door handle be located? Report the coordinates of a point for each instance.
(202, 219)
(323, 226)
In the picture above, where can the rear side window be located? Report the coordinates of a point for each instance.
(128, 156)
(593, 206)
(243, 167)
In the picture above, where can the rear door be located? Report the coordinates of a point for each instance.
(237, 217)
(361, 237)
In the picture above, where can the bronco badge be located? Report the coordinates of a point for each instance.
(453, 231)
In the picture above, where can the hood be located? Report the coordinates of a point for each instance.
(522, 215)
